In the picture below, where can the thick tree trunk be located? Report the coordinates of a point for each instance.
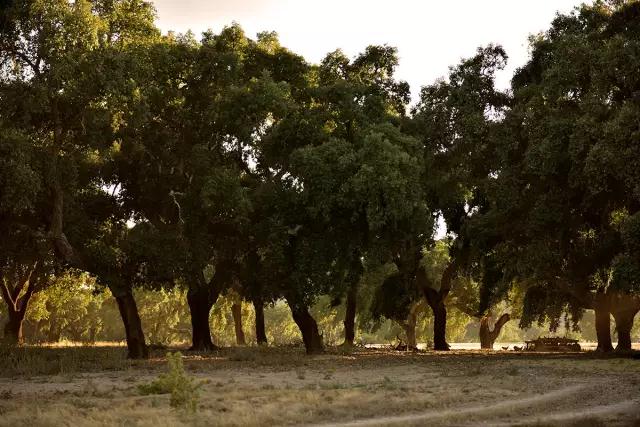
(13, 328)
(201, 300)
(308, 328)
(603, 322)
(236, 312)
(350, 316)
(436, 302)
(624, 323)
(261, 333)
(132, 326)
(487, 336)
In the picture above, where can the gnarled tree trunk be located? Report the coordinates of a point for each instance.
(308, 327)
(136, 343)
(261, 333)
(602, 308)
(236, 312)
(624, 312)
(201, 300)
(350, 315)
(487, 335)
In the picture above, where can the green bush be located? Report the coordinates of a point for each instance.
(184, 391)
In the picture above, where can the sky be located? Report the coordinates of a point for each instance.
(430, 35)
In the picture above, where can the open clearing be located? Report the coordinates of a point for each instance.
(87, 386)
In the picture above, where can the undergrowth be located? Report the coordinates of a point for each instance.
(183, 390)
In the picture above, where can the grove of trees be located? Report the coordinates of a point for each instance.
(229, 170)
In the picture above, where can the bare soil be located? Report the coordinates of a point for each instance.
(364, 387)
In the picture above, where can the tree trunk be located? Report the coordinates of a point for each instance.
(487, 336)
(603, 322)
(236, 312)
(624, 324)
(17, 301)
(436, 302)
(132, 326)
(13, 328)
(350, 316)
(308, 328)
(201, 300)
(261, 333)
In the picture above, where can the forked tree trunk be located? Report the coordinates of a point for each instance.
(350, 316)
(133, 326)
(602, 309)
(17, 300)
(236, 312)
(436, 302)
(308, 327)
(487, 335)
(201, 300)
(624, 323)
(261, 333)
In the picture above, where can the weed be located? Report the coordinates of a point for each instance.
(184, 392)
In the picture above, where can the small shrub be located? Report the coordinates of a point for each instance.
(184, 392)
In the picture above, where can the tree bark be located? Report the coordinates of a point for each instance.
(308, 327)
(602, 309)
(261, 334)
(13, 328)
(133, 326)
(350, 315)
(201, 300)
(236, 312)
(436, 302)
(624, 323)
(487, 335)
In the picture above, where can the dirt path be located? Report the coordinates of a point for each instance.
(457, 412)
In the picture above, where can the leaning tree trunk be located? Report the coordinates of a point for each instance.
(236, 312)
(436, 302)
(602, 309)
(261, 333)
(624, 323)
(133, 326)
(308, 327)
(487, 335)
(201, 300)
(350, 316)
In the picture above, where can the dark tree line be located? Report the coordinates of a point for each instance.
(231, 163)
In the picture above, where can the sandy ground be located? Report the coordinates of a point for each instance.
(252, 386)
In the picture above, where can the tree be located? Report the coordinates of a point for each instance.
(457, 120)
(560, 188)
(56, 61)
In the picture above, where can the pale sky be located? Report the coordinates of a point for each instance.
(430, 35)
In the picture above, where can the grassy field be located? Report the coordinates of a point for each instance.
(87, 386)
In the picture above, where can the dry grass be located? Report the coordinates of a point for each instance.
(268, 386)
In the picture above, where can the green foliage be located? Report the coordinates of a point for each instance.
(183, 390)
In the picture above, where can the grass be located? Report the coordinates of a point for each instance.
(275, 386)
(31, 361)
